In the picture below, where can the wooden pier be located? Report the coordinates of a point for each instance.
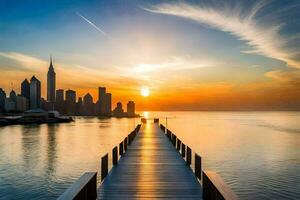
(153, 164)
(151, 168)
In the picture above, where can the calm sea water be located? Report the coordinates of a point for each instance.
(256, 153)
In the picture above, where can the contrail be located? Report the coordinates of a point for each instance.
(92, 24)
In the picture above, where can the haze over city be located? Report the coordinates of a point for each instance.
(185, 55)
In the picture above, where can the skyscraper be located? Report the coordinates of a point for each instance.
(13, 96)
(59, 97)
(60, 101)
(25, 89)
(108, 103)
(22, 103)
(35, 93)
(70, 102)
(101, 99)
(51, 83)
(118, 111)
(88, 104)
(79, 107)
(130, 108)
(2, 100)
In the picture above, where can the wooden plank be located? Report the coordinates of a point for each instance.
(151, 169)
(84, 188)
(214, 188)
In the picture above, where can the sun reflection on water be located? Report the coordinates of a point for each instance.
(146, 114)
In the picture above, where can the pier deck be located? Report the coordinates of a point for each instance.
(151, 168)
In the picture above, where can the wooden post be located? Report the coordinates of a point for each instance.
(138, 128)
(125, 144)
(115, 155)
(84, 188)
(198, 167)
(183, 150)
(188, 156)
(104, 166)
(214, 188)
(129, 138)
(169, 134)
(162, 128)
(178, 144)
(121, 150)
(174, 140)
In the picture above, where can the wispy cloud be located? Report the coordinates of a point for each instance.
(92, 24)
(68, 75)
(175, 63)
(25, 61)
(286, 77)
(264, 39)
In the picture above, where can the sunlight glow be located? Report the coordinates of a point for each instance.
(145, 92)
(146, 114)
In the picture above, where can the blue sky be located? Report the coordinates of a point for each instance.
(244, 45)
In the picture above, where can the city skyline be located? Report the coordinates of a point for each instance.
(190, 55)
(64, 101)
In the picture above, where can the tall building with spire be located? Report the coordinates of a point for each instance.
(51, 78)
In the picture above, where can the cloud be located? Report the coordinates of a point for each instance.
(264, 39)
(75, 72)
(92, 24)
(68, 75)
(27, 62)
(285, 77)
(174, 63)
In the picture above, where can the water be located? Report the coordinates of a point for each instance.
(256, 153)
(41, 161)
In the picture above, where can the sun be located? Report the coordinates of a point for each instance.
(145, 92)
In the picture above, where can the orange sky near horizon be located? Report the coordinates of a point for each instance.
(267, 95)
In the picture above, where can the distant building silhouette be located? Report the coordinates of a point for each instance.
(35, 93)
(9, 105)
(25, 89)
(22, 103)
(30, 98)
(130, 109)
(97, 108)
(108, 104)
(2, 100)
(60, 101)
(118, 111)
(101, 100)
(59, 95)
(13, 96)
(79, 107)
(51, 79)
(88, 105)
(70, 102)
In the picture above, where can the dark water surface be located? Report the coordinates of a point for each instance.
(256, 153)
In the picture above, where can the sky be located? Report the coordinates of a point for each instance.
(191, 55)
